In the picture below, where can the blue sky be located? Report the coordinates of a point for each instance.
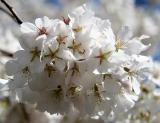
(141, 2)
(137, 2)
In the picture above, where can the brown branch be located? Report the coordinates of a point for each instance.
(5, 11)
(8, 13)
(19, 21)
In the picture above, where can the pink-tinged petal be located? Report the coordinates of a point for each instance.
(28, 28)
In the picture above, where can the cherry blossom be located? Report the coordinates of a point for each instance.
(79, 65)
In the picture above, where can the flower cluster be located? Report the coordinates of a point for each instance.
(146, 108)
(78, 64)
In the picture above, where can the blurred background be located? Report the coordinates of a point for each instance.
(142, 16)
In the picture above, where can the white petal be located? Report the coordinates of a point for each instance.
(136, 86)
(11, 67)
(123, 103)
(28, 28)
(18, 82)
(136, 47)
(39, 23)
(47, 22)
(39, 82)
(118, 57)
(125, 34)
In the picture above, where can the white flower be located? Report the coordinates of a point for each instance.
(100, 58)
(146, 109)
(83, 26)
(134, 71)
(63, 34)
(81, 19)
(43, 26)
(128, 45)
(103, 32)
(30, 57)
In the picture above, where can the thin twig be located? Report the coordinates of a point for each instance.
(5, 11)
(8, 13)
(19, 21)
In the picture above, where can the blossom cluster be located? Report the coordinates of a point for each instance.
(78, 64)
(146, 109)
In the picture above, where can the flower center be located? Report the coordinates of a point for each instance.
(77, 29)
(66, 21)
(76, 47)
(43, 31)
(102, 56)
(35, 53)
(74, 91)
(49, 69)
(61, 39)
(118, 45)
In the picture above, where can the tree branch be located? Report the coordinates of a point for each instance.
(5, 11)
(8, 13)
(19, 21)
